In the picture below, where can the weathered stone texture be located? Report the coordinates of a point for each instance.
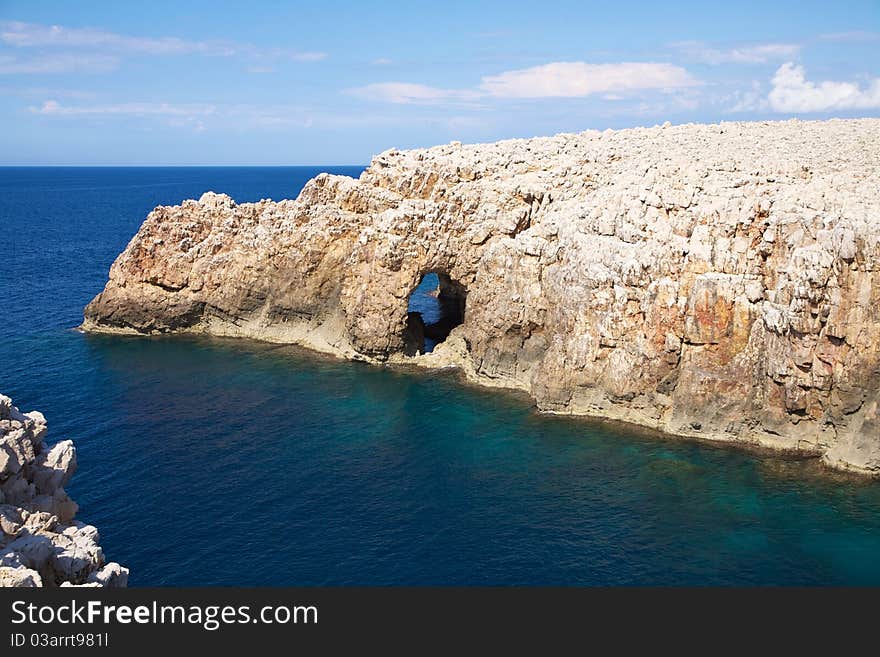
(708, 280)
(40, 542)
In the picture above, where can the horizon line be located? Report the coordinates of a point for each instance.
(176, 166)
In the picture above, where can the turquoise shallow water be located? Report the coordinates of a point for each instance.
(228, 462)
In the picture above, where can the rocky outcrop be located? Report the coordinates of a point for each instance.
(718, 281)
(40, 542)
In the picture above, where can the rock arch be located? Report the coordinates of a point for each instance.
(435, 307)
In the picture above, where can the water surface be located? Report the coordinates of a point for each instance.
(226, 462)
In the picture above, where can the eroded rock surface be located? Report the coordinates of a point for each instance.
(40, 542)
(706, 280)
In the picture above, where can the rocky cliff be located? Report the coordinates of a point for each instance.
(40, 542)
(717, 281)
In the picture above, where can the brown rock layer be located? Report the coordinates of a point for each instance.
(706, 280)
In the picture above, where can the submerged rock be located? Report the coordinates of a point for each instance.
(718, 281)
(40, 543)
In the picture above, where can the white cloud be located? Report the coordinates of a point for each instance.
(751, 54)
(555, 80)
(27, 35)
(269, 56)
(31, 35)
(244, 117)
(751, 100)
(792, 92)
(382, 61)
(267, 116)
(196, 116)
(578, 79)
(405, 93)
(304, 56)
(666, 105)
(54, 108)
(31, 93)
(176, 116)
(48, 64)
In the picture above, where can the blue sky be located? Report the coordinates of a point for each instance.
(119, 83)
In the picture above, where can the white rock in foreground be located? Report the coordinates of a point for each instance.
(40, 542)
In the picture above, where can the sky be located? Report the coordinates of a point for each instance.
(328, 82)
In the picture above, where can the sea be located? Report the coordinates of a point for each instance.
(230, 462)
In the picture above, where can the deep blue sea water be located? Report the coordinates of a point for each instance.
(227, 462)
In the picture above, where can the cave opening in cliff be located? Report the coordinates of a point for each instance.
(436, 306)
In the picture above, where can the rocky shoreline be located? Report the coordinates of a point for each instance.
(40, 542)
(711, 281)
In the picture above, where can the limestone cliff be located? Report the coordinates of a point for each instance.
(706, 280)
(40, 542)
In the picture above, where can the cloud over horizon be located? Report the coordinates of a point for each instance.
(748, 54)
(54, 108)
(792, 92)
(81, 83)
(53, 64)
(17, 34)
(580, 79)
(554, 80)
(406, 93)
(31, 35)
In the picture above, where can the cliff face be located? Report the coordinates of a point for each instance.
(40, 542)
(706, 280)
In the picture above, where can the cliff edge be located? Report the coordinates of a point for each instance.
(717, 281)
(40, 542)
